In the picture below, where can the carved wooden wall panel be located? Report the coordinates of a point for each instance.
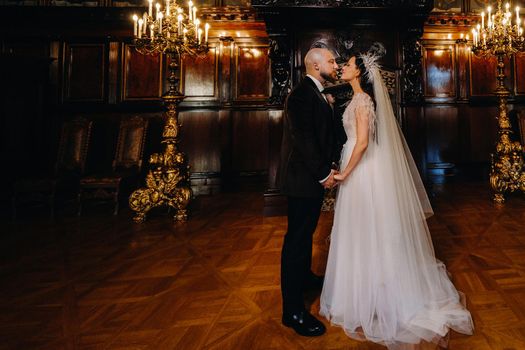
(414, 130)
(142, 75)
(97, 73)
(200, 140)
(249, 141)
(442, 135)
(482, 132)
(200, 80)
(483, 75)
(85, 72)
(439, 72)
(252, 73)
(519, 74)
(412, 68)
(463, 71)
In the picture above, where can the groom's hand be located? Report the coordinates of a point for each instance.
(330, 182)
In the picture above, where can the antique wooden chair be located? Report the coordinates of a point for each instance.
(69, 167)
(127, 165)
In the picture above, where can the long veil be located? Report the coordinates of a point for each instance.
(383, 282)
(393, 149)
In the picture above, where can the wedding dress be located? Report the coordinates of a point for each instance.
(382, 281)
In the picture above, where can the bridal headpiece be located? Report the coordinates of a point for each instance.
(371, 59)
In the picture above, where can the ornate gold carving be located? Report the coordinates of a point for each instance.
(167, 182)
(501, 39)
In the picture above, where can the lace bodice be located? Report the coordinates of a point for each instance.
(359, 101)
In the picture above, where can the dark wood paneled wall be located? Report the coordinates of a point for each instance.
(82, 62)
(459, 114)
(66, 62)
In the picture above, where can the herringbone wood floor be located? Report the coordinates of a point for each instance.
(99, 282)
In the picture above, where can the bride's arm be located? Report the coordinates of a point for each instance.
(362, 125)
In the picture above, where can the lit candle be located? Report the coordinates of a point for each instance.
(140, 28)
(160, 22)
(197, 23)
(151, 32)
(195, 13)
(489, 17)
(483, 20)
(135, 25)
(190, 5)
(507, 6)
(184, 31)
(179, 24)
(206, 30)
(517, 16)
(199, 35)
(167, 7)
(150, 8)
(467, 37)
(144, 21)
(484, 39)
(157, 5)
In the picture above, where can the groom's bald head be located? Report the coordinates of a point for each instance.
(314, 56)
(320, 63)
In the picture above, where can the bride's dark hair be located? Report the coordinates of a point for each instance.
(365, 84)
(377, 49)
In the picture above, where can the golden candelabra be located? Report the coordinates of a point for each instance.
(501, 35)
(175, 31)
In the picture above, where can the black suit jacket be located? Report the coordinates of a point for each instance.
(310, 144)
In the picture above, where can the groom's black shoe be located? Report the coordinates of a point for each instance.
(314, 282)
(304, 323)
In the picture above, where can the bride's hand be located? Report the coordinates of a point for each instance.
(340, 177)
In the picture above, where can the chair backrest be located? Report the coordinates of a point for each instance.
(130, 144)
(73, 146)
(521, 124)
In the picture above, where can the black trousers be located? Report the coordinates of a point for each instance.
(296, 256)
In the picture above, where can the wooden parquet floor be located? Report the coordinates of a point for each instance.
(103, 282)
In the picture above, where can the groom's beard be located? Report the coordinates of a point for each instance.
(330, 77)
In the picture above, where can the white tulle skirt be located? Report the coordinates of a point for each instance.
(382, 280)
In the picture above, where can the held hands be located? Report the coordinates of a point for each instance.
(340, 177)
(331, 181)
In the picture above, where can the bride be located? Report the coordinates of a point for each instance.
(383, 282)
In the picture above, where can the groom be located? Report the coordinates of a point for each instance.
(309, 147)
